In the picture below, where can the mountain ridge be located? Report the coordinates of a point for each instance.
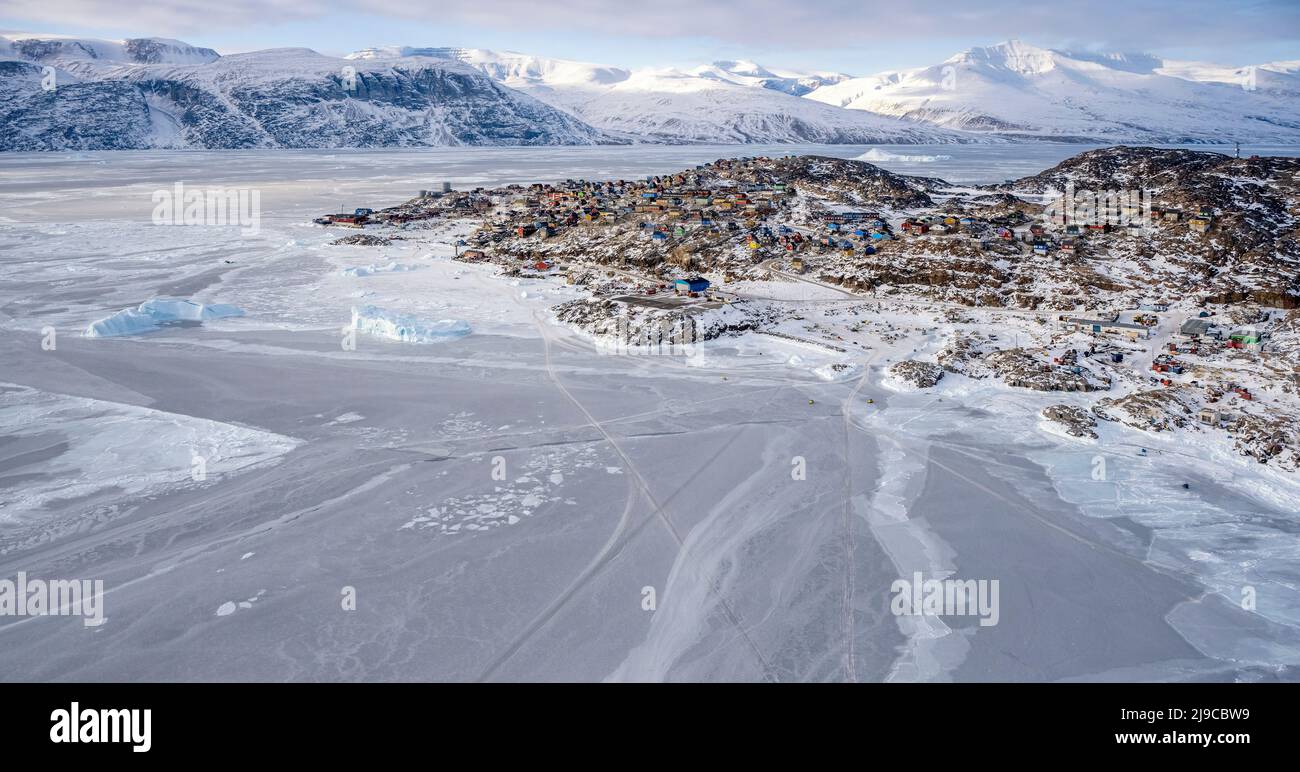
(166, 93)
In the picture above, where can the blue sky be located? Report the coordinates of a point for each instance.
(856, 36)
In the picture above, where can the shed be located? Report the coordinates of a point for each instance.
(1194, 328)
(693, 284)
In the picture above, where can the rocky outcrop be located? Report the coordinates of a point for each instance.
(1154, 410)
(1269, 440)
(1075, 421)
(362, 240)
(920, 375)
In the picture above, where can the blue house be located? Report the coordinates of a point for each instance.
(693, 284)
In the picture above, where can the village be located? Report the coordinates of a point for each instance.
(1095, 306)
(724, 220)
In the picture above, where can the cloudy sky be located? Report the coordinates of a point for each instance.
(856, 36)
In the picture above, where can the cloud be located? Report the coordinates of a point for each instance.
(802, 24)
(163, 17)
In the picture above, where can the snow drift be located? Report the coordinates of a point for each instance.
(372, 269)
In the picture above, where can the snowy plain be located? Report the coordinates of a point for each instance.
(508, 502)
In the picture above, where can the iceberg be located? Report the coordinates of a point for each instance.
(153, 314)
(408, 329)
(876, 154)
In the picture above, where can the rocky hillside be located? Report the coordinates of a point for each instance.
(1252, 246)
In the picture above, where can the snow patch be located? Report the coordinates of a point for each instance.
(838, 371)
(372, 269)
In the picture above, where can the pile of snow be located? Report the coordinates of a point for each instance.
(153, 314)
(372, 269)
(838, 371)
(408, 329)
(876, 154)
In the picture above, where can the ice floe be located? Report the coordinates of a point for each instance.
(109, 450)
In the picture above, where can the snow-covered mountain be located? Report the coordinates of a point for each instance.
(90, 95)
(747, 73)
(513, 69)
(524, 70)
(672, 105)
(1021, 90)
(726, 102)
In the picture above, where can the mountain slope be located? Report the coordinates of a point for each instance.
(136, 96)
(1016, 89)
(136, 50)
